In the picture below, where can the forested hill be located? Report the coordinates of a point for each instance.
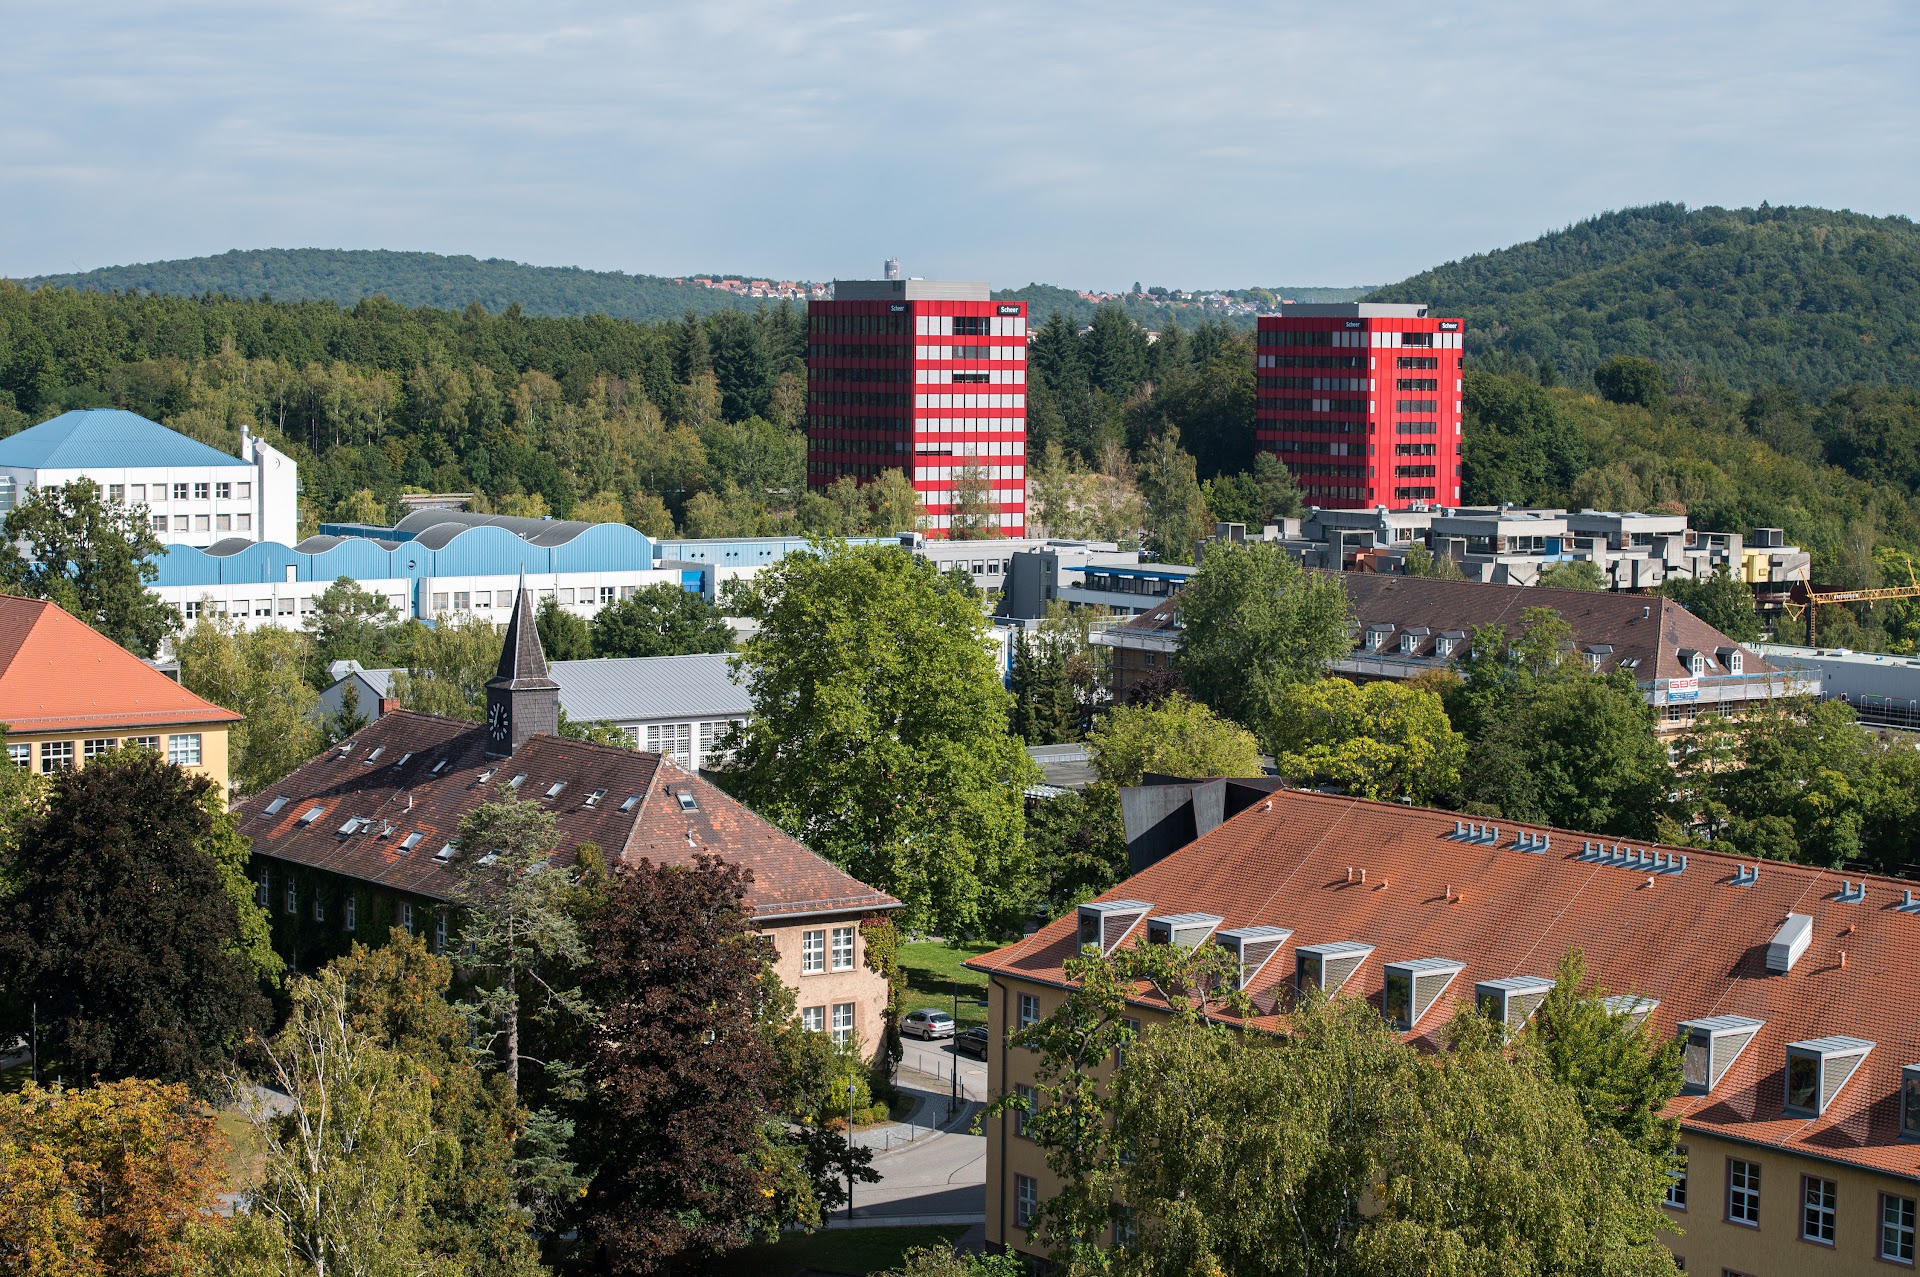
(1804, 297)
(411, 279)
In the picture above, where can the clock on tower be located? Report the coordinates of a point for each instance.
(522, 701)
(499, 722)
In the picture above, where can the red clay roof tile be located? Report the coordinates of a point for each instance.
(59, 674)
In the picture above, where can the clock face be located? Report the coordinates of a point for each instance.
(497, 721)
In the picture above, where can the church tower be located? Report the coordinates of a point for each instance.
(522, 701)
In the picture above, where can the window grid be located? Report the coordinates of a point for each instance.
(813, 952)
(1021, 1116)
(97, 746)
(843, 948)
(1819, 1203)
(1029, 1011)
(1026, 1200)
(184, 750)
(813, 1019)
(842, 1023)
(349, 912)
(1896, 1228)
(1677, 1185)
(1743, 1192)
(20, 756)
(56, 756)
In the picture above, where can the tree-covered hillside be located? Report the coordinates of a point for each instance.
(1808, 298)
(411, 279)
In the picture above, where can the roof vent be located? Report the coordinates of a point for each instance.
(310, 815)
(1187, 930)
(273, 808)
(1253, 946)
(1634, 1006)
(1817, 1069)
(1105, 923)
(1328, 967)
(1414, 986)
(1909, 904)
(1789, 943)
(1709, 1048)
(1745, 875)
(1464, 832)
(1851, 893)
(1535, 844)
(1511, 1000)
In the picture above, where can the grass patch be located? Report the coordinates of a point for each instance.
(934, 974)
(857, 1252)
(247, 1153)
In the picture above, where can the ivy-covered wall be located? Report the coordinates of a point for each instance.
(348, 909)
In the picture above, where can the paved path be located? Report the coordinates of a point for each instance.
(938, 1173)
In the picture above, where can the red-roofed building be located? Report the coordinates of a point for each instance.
(68, 693)
(1792, 988)
(361, 838)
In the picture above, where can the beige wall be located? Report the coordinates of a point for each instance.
(864, 990)
(1707, 1243)
(213, 745)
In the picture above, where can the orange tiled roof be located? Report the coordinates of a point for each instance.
(1696, 941)
(58, 674)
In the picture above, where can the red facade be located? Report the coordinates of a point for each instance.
(1362, 406)
(929, 386)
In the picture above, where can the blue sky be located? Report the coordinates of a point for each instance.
(1083, 144)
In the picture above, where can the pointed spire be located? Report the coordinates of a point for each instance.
(522, 699)
(523, 662)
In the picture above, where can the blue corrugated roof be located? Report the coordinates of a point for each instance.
(97, 437)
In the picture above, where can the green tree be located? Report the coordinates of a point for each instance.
(1057, 675)
(123, 927)
(1376, 740)
(1176, 512)
(879, 732)
(1573, 574)
(1176, 737)
(1251, 621)
(448, 669)
(975, 515)
(1423, 562)
(353, 624)
(1722, 600)
(563, 635)
(1520, 445)
(262, 675)
(1629, 379)
(1078, 842)
(1623, 1075)
(347, 718)
(660, 620)
(91, 556)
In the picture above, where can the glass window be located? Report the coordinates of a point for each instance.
(179, 492)
(440, 602)
(159, 523)
(1029, 1010)
(349, 911)
(842, 1023)
(139, 492)
(813, 1019)
(244, 522)
(1818, 1201)
(56, 755)
(1677, 1182)
(202, 523)
(1896, 1228)
(813, 952)
(440, 931)
(180, 522)
(1803, 1082)
(843, 948)
(293, 896)
(223, 523)
(319, 905)
(406, 915)
(1743, 1192)
(1910, 1102)
(243, 490)
(606, 594)
(1026, 1200)
(20, 756)
(97, 746)
(117, 492)
(462, 600)
(260, 896)
(144, 742)
(184, 750)
(201, 491)
(1021, 1116)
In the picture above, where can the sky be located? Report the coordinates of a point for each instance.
(1085, 144)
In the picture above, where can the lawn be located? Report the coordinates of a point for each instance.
(934, 974)
(856, 1252)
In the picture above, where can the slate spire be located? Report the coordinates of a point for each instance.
(522, 700)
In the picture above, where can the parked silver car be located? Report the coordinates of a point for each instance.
(927, 1023)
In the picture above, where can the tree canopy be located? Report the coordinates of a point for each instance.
(659, 620)
(92, 557)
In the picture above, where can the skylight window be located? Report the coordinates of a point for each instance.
(518, 780)
(411, 841)
(402, 760)
(438, 768)
(375, 752)
(310, 815)
(444, 854)
(553, 791)
(593, 799)
(485, 776)
(352, 826)
(633, 800)
(687, 800)
(273, 808)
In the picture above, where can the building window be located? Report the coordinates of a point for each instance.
(260, 896)
(202, 523)
(56, 755)
(244, 491)
(223, 523)
(20, 756)
(184, 750)
(144, 742)
(1896, 1228)
(1126, 1229)
(201, 491)
(606, 595)
(117, 493)
(463, 600)
(180, 522)
(843, 948)
(159, 523)
(293, 897)
(1677, 1185)
(1819, 1201)
(1021, 1116)
(672, 738)
(440, 602)
(1743, 1192)
(319, 905)
(350, 915)
(406, 916)
(842, 1023)
(1026, 1200)
(244, 522)
(1132, 1027)
(179, 492)
(440, 931)
(1029, 1011)
(813, 952)
(813, 1019)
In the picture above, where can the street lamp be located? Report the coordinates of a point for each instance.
(850, 1086)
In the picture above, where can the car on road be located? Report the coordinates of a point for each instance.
(927, 1023)
(973, 1042)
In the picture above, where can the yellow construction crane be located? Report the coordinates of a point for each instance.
(1805, 599)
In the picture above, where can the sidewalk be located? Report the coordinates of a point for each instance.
(929, 1116)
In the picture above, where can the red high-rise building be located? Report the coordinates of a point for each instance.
(925, 377)
(1361, 400)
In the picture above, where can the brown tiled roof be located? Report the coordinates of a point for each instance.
(1696, 941)
(411, 773)
(59, 674)
(1645, 629)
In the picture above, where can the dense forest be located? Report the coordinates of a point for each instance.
(1809, 298)
(451, 282)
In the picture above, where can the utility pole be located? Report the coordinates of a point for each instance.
(953, 1067)
(850, 1085)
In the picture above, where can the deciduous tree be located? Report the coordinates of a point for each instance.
(1377, 740)
(93, 557)
(261, 675)
(660, 620)
(1175, 737)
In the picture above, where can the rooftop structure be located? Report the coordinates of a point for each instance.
(1882, 688)
(927, 378)
(69, 693)
(1799, 1064)
(192, 494)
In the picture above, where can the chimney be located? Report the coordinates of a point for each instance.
(388, 704)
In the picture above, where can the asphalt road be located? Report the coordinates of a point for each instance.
(939, 1177)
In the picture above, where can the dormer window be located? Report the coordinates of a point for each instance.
(1105, 923)
(1596, 655)
(1635, 1007)
(1413, 987)
(1910, 1102)
(1187, 930)
(1377, 636)
(1697, 663)
(1253, 946)
(1733, 658)
(1328, 967)
(1511, 1000)
(1710, 1046)
(1817, 1069)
